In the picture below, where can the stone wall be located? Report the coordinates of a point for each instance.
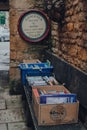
(69, 39)
(72, 42)
(20, 49)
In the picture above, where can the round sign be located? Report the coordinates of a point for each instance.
(33, 26)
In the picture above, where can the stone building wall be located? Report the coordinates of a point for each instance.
(72, 34)
(69, 39)
(20, 49)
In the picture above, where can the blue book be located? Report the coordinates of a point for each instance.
(57, 98)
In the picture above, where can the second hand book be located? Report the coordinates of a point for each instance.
(52, 98)
(57, 98)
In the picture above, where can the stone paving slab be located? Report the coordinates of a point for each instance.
(11, 115)
(4, 94)
(1, 89)
(3, 126)
(17, 126)
(2, 104)
(14, 102)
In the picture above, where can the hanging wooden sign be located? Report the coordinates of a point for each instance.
(33, 26)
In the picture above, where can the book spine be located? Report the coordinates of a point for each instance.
(71, 98)
(35, 91)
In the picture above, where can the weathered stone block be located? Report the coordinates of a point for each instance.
(82, 54)
(11, 115)
(70, 26)
(85, 36)
(54, 32)
(75, 2)
(14, 73)
(2, 104)
(13, 55)
(69, 12)
(81, 17)
(17, 126)
(3, 126)
(14, 102)
(21, 5)
(73, 51)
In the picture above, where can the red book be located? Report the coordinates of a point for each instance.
(35, 91)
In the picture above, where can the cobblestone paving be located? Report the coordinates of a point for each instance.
(11, 112)
(3, 126)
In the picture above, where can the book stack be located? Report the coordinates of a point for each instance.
(54, 96)
(35, 81)
(41, 80)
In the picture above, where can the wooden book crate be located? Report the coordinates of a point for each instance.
(55, 114)
(32, 61)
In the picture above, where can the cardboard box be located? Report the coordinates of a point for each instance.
(55, 114)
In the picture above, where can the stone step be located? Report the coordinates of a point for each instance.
(3, 126)
(5, 93)
(2, 104)
(18, 126)
(14, 102)
(11, 115)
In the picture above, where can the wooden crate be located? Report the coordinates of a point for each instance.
(55, 114)
(32, 61)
